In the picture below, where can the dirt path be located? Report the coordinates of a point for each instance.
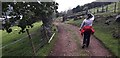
(69, 43)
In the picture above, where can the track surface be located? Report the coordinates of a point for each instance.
(69, 43)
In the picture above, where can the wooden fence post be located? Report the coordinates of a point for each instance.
(115, 7)
(102, 8)
(31, 42)
(45, 34)
(106, 8)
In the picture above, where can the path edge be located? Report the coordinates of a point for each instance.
(113, 55)
(105, 46)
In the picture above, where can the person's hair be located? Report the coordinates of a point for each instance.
(89, 16)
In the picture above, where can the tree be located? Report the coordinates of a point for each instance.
(69, 12)
(27, 13)
(76, 9)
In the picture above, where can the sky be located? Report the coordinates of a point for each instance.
(69, 4)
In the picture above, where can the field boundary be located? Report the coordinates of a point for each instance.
(14, 42)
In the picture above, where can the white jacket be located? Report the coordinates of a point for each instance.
(87, 22)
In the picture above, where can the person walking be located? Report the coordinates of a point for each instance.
(86, 29)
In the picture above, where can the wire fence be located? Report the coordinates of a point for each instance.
(22, 47)
(114, 7)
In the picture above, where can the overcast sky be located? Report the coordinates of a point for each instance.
(69, 4)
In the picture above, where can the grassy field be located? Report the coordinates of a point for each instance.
(76, 23)
(105, 35)
(110, 8)
(103, 32)
(14, 44)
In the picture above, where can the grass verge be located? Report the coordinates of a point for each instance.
(44, 51)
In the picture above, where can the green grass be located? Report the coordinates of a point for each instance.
(47, 48)
(13, 36)
(23, 47)
(104, 33)
(76, 22)
(44, 51)
(105, 36)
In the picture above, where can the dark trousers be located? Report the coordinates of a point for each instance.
(86, 39)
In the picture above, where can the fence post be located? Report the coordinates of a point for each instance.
(106, 8)
(97, 10)
(118, 6)
(31, 42)
(94, 10)
(115, 7)
(102, 8)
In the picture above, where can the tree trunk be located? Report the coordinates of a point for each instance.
(31, 42)
(47, 27)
